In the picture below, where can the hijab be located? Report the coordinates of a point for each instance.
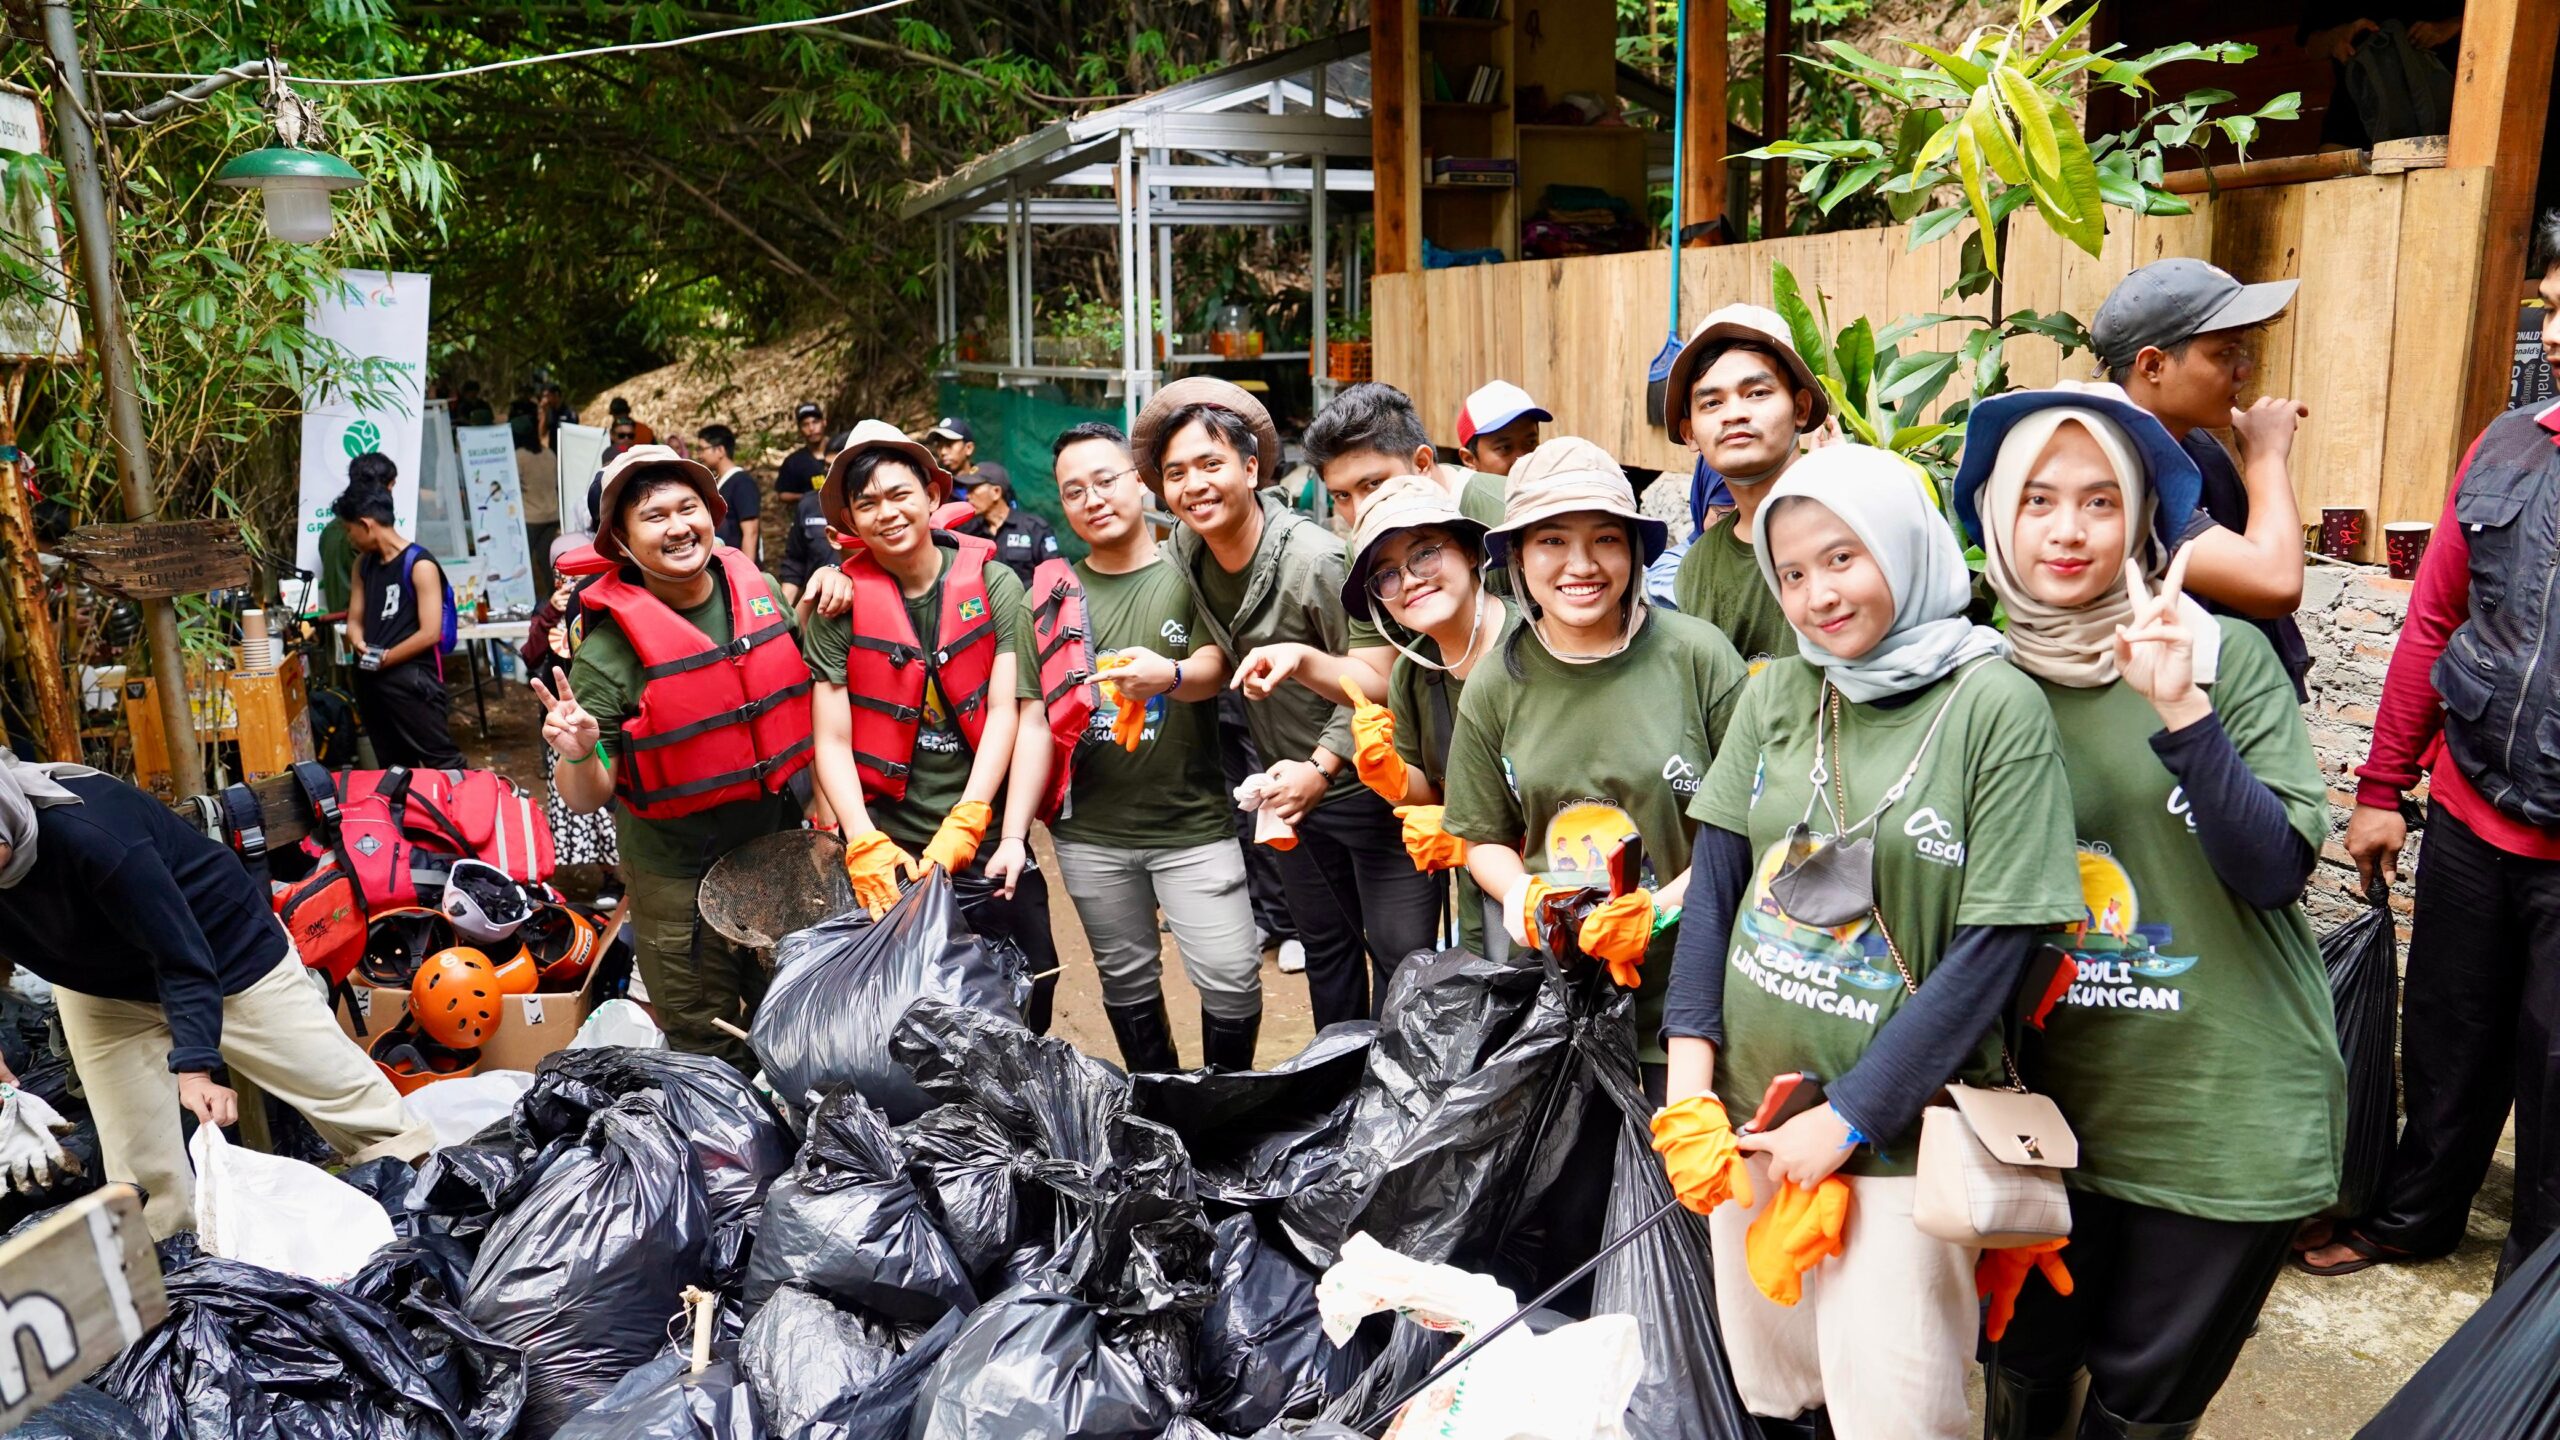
(1877, 495)
(2075, 646)
(26, 787)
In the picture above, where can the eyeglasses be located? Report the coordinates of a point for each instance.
(1074, 492)
(1388, 581)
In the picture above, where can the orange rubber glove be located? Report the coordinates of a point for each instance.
(1695, 1141)
(1427, 839)
(871, 861)
(1618, 932)
(1373, 731)
(1799, 1230)
(955, 844)
(1520, 909)
(2000, 1274)
(1129, 722)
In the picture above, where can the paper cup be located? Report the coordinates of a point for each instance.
(2404, 544)
(2341, 531)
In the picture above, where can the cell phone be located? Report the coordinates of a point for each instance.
(1787, 1097)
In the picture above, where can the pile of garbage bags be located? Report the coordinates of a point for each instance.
(975, 1232)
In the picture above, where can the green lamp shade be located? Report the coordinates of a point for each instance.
(296, 185)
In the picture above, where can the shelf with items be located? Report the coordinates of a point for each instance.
(1463, 114)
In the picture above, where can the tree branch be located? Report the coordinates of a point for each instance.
(721, 211)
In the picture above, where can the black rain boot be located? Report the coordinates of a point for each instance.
(1145, 1034)
(2016, 1407)
(1802, 1427)
(2097, 1424)
(1228, 1044)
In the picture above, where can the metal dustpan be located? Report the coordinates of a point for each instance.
(775, 884)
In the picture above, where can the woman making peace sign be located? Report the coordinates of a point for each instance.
(2194, 1053)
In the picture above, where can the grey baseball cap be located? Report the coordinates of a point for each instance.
(2169, 301)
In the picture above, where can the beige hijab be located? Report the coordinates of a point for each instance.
(2076, 646)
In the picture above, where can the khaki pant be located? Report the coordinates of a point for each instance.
(691, 973)
(1200, 888)
(277, 1034)
(1883, 1335)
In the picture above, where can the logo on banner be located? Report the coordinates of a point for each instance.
(363, 437)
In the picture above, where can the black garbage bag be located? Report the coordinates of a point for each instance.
(1261, 1352)
(388, 1181)
(741, 1144)
(846, 1222)
(2495, 1376)
(1400, 1361)
(962, 1163)
(1130, 1232)
(809, 1362)
(1035, 1365)
(840, 987)
(460, 1189)
(1437, 1135)
(2363, 956)
(1263, 1135)
(585, 1271)
(664, 1400)
(82, 1412)
(246, 1351)
(419, 1281)
(886, 1410)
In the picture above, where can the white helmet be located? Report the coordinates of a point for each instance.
(485, 904)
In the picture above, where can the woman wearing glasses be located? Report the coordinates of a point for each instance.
(1414, 562)
(1149, 824)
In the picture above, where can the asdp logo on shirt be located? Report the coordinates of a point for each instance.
(1680, 775)
(1174, 632)
(1933, 837)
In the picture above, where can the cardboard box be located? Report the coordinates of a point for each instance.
(533, 1025)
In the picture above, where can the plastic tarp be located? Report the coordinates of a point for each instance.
(2495, 1376)
(585, 1269)
(2363, 956)
(1263, 1135)
(664, 1400)
(1035, 1365)
(840, 987)
(847, 1222)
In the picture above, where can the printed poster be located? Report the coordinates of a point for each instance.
(379, 316)
(497, 517)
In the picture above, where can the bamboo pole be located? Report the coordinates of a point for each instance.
(22, 575)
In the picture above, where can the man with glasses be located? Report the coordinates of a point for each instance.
(1149, 826)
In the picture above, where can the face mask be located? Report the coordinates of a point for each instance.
(1825, 881)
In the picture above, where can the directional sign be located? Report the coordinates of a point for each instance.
(74, 1292)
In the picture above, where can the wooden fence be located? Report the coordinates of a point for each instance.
(2375, 343)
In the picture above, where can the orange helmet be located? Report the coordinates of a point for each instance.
(455, 997)
(563, 943)
(410, 1060)
(518, 974)
(398, 942)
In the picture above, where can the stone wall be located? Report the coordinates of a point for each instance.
(2350, 616)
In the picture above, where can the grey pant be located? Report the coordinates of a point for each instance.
(1202, 892)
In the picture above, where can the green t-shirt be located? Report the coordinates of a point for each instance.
(1981, 837)
(1223, 589)
(606, 675)
(1719, 581)
(938, 775)
(1480, 500)
(1169, 792)
(2183, 989)
(1425, 703)
(1565, 761)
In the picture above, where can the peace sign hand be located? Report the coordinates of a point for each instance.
(2156, 652)
(567, 728)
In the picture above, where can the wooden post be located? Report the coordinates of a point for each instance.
(1395, 113)
(2499, 101)
(1704, 140)
(57, 722)
(1775, 70)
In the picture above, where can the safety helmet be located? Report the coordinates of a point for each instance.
(455, 997)
(518, 973)
(563, 943)
(397, 942)
(485, 904)
(410, 1060)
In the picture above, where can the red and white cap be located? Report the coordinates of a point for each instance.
(1493, 407)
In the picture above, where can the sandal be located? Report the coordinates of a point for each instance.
(2314, 1235)
(2368, 1254)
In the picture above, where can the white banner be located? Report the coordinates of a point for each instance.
(444, 518)
(581, 452)
(497, 517)
(377, 316)
(35, 320)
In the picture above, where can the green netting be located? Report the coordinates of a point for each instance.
(1014, 428)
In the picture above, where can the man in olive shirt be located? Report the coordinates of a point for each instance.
(1741, 397)
(1147, 821)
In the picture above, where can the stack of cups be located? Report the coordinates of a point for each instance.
(257, 648)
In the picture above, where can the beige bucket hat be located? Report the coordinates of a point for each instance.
(1566, 476)
(1754, 324)
(877, 435)
(631, 462)
(1407, 502)
(1148, 435)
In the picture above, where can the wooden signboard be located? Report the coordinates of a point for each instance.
(74, 1292)
(160, 560)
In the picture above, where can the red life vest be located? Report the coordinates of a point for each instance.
(474, 814)
(1068, 688)
(716, 724)
(886, 669)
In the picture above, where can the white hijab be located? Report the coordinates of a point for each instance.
(1878, 497)
(26, 787)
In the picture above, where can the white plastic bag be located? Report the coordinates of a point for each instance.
(619, 1022)
(1572, 1383)
(460, 1108)
(281, 1214)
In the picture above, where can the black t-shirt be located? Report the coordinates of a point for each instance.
(390, 601)
(738, 491)
(800, 474)
(1022, 541)
(2226, 503)
(805, 550)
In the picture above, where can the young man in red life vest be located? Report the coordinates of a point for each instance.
(929, 717)
(687, 708)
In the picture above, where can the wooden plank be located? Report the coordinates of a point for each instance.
(1915, 284)
(2440, 217)
(2031, 279)
(1532, 297)
(2164, 237)
(2086, 281)
(1702, 128)
(1394, 114)
(2342, 333)
(2282, 170)
(2257, 236)
(76, 1290)
(1397, 334)
(2501, 102)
